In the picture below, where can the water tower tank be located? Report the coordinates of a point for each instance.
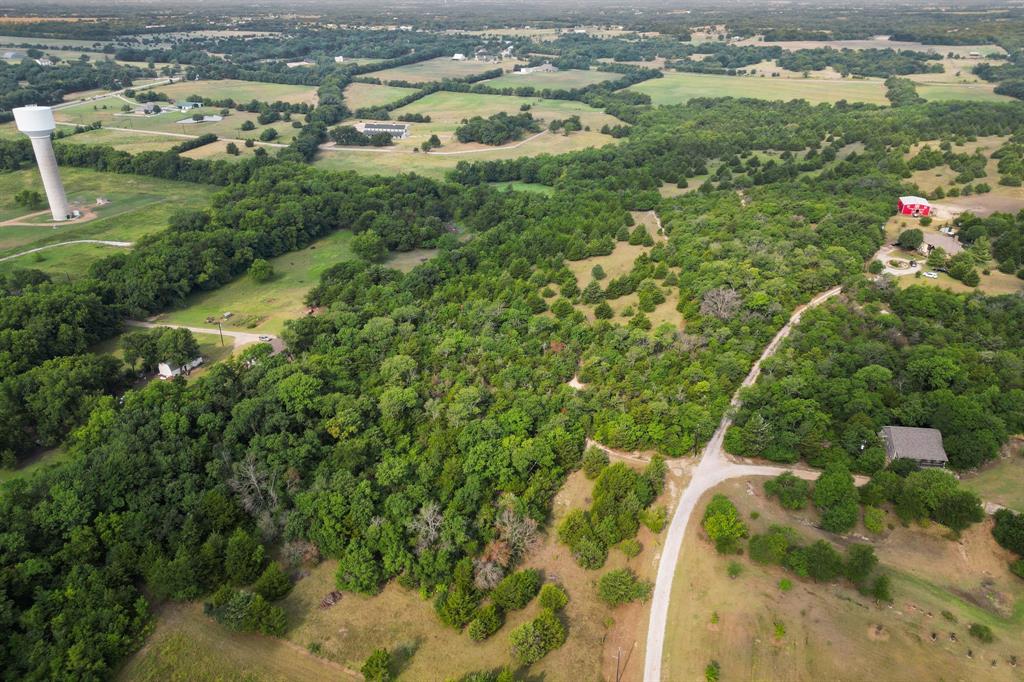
(37, 122)
(34, 120)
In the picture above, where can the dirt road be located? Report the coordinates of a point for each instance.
(104, 242)
(715, 466)
(239, 338)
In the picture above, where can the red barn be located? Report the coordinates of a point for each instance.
(914, 206)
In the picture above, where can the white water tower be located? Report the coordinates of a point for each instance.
(37, 122)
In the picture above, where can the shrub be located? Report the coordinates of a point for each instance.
(785, 584)
(1017, 568)
(630, 547)
(533, 640)
(791, 490)
(655, 519)
(603, 311)
(875, 267)
(622, 586)
(515, 591)
(712, 672)
(823, 561)
(771, 547)
(488, 621)
(874, 519)
(553, 597)
(734, 569)
(243, 558)
(594, 461)
(722, 524)
(837, 499)
(981, 632)
(376, 667)
(268, 135)
(272, 583)
(882, 589)
(245, 612)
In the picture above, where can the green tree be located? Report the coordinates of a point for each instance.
(488, 621)
(261, 270)
(791, 490)
(622, 586)
(552, 597)
(533, 640)
(594, 461)
(910, 239)
(272, 583)
(377, 666)
(243, 558)
(516, 590)
(837, 499)
(723, 525)
(370, 246)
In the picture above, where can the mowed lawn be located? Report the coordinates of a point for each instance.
(138, 206)
(436, 69)
(975, 92)
(131, 142)
(265, 307)
(241, 91)
(359, 95)
(559, 80)
(830, 631)
(679, 88)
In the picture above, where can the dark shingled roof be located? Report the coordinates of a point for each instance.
(911, 442)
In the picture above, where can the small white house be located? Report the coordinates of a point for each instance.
(458, 57)
(339, 59)
(169, 370)
(189, 106)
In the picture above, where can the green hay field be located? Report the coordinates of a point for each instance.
(559, 80)
(359, 95)
(435, 70)
(241, 91)
(679, 88)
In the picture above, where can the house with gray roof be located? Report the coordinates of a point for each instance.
(924, 446)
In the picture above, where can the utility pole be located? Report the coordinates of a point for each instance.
(221, 332)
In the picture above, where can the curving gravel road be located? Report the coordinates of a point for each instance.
(105, 242)
(714, 467)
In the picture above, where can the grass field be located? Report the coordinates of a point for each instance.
(266, 307)
(831, 632)
(358, 95)
(523, 187)
(436, 69)
(109, 114)
(559, 80)
(138, 206)
(188, 646)
(678, 88)
(131, 142)
(241, 91)
(33, 464)
(1002, 481)
(975, 92)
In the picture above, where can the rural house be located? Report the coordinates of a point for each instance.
(189, 106)
(914, 206)
(458, 57)
(924, 446)
(399, 131)
(169, 370)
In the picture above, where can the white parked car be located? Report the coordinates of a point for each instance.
(931, 275)
(264, 338)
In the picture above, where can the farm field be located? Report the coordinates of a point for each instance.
(678, 88)
(437, 69)
(403, 622)
(830, 630)
(359, 95)
(138, 206)
(126, 141)
(109, 114)
(559, 80)
(1002, 481)
(266, 307)
(877, 43)
(241, 91)
(974, 92)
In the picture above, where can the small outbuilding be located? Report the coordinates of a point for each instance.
(921, 445)
(398, 131)
(169, 370)
(458, 57)
(917, 207)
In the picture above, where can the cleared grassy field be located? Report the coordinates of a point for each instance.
(831, 632)
(110, 116)
(1002, 481)
(131, 142)
(138, 206)
(265, 307)
(678, 88)
(436, 69)
(523, 187)
(33, 464)
(975, 92)
(358, 95)
(559, 80)
(241, 91)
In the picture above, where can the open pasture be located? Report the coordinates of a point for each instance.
(559, 80)
(241, 91)
(830, 631)
(359, 95)
(679, 88)
(437, 69)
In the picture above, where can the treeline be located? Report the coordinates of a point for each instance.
(848, 372)
(29, 83)
(874, 63)
(496, 129)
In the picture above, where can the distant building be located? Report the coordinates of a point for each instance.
(458, 57)
(44, 61)
(914, 206)
(189, 106)
(543, 68)
(339, 59)
(923, 446)
(974, 55)
(399, 131)
(169, 370)
(150, 108)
